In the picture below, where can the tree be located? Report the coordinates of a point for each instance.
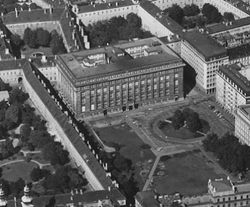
(193, 122)
(43, 37)
(16, 40)
(25, 7)
(17, 96)
(210, 143)
(191, 10)
(175, 12)
(4, 86)
(228, 16)
(13, 113)
(134, 21)
(26, 35)
(55, 153)
(40, 138)
(37, 174)
(121, 163)
(34, 6)
(25, 132)
(178, 119)
(211, 13)
(56, 43)
(33, 39)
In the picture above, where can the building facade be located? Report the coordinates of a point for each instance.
(242, 124)
(232, 87)
(205, 56)
(108, 86)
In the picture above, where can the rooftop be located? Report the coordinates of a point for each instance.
(204, 44)
(147, 199)
(12, 64)
(104, 6)
(76, 198)
(222, 27)
(113, 60)
(221, 185)
(232, 72)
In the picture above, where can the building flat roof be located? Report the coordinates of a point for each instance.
(222, 27)
(232, 72)
(204, 44)
(222, 185)
(126, 63)
(104, 6)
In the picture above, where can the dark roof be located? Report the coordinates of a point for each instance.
(37, 15)
(104, 6)
(232, 72)
(204, 44)
(238, 52)
(12, 64)
(62, 119)
(146, 199)
(243, 6)
(85, 198)
(221, 27)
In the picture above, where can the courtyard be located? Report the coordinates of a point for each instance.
(187, 173)
(126, 141)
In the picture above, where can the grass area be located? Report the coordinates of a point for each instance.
(130, 146)
(187, 173)
(17, 170)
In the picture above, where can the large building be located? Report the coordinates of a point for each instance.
(121, 77)
(221, 193)
(242, 124)
(205, 56)
(233, 86)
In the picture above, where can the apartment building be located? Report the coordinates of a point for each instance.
(232, 87)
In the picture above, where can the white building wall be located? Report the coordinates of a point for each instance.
(151, 24)
(11, 76)
(91, 17)
(41, 3)
(242, 126)
(228, 95)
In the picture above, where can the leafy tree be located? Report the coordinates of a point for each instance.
(178, 119)
(25, 132)
(191, 10)
(55, 153)
(26, 36)
(33, 39)
(175, 12)
(27, 114)
(211, 13)
(18, 96)
(43, 37)
(121, 163)
(37, 174)
(16, 40)
(228, 16)
(186, 112)
(13, 113)
(193, 122)
(134, 20)
(211, 142)
(16, 188)
(34, 6)
(4, 86)
(40, 138)
(25, 7)
(56, 43)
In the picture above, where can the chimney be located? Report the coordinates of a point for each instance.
(29, 9)
(50, 10)
(117, 3)
(109, 4)
(44, 59)
(109, 188)
(45, 11)
(7, 52)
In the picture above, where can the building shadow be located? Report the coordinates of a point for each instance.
(189, 79)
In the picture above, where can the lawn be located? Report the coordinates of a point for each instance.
(14, 171)
(130, 146)
(187, 173)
